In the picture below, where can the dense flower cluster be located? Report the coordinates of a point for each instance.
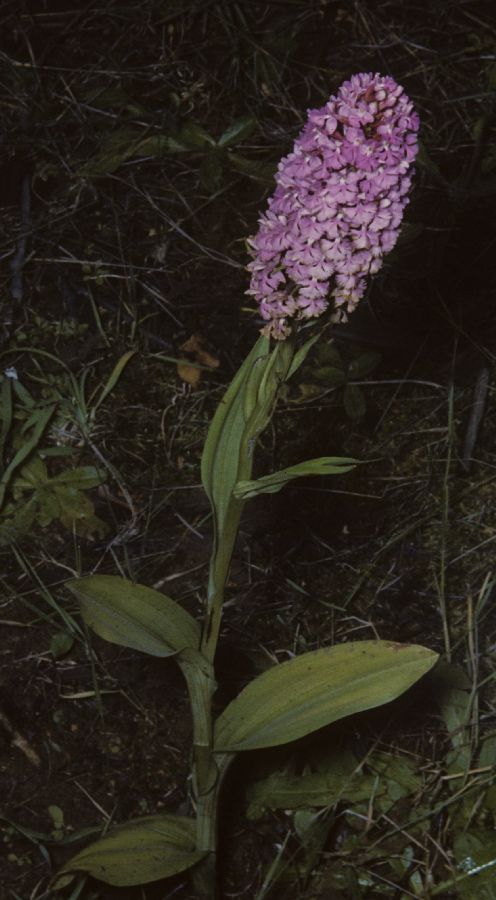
(338, 204)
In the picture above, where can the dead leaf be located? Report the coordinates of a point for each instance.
(191, 374)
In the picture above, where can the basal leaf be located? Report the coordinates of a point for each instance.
(270, 484)
(133, 615)
(298, 697)
(141, 851)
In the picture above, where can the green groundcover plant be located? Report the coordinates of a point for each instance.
(336, 211)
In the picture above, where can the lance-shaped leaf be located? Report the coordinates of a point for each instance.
(238, 131)
(141, 851)
(133, 615)
(37, 422)
(298, 697)
(301, 355)
(270, 484)
(227, 457)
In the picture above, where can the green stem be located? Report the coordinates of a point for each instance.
(200, 679)
(219, 572)
(207, 810)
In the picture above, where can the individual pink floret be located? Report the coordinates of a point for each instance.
(338, 204)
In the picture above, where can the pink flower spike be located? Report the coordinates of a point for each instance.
(338, 204)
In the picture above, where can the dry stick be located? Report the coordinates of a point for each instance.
(481, 390)
(18, 740)
(17, 263)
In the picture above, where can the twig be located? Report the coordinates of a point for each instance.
(476, 415)
(18, 740)
(17, 262)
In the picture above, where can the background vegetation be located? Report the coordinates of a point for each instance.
(139, 142)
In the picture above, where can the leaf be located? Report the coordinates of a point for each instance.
(141, 851)
(133, 615)
(270, 484)
(83, 477)
(194, 137)
(399, 774)
(253, 168)
(301, 355)
(119, 146)
(455, 699)
(238, 131)
(39, 421)
(128, 142)
(61, 643)
(298, 697)
(114, 378)
(32, 475)
(329, 355)
(283, 791)
(57, 816)
(241, 416)
(364, 364)
(330, 374)
(354, 402)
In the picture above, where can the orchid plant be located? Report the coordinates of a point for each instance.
(335, 213)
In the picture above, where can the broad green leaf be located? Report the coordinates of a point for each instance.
(141, 851)
(354, 402)
(238, 131)
(133, 615)
(304, 694)
(270, 484)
